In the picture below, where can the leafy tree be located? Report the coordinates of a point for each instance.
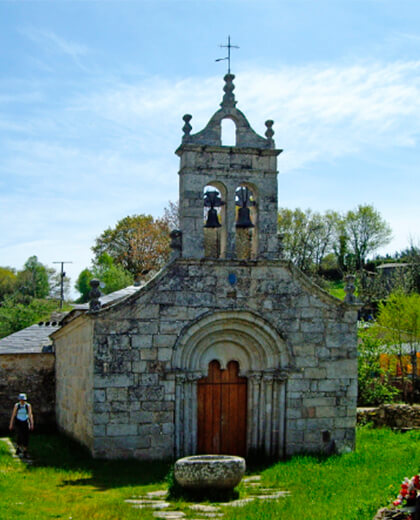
(340, 247)
(33, 280)
(398, 327)
(307, 236)
(365, 231)
(378, 285)
(54, 281)
(138, 243)
(374, 382)
(15, 316)
(82, 284)
(171, 215)
(112, 277)
(7, 281)
(412, 257)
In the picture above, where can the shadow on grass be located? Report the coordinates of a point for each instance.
(64, 454)
(59, 452)
(258, 463)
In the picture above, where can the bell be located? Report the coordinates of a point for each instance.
(212, 219)
(244, 220)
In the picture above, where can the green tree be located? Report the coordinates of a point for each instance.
(138, 243)
(112, 277)
(398, 327)
(15, 316)
(32, 281)
(54, 282)
(374, 383)
(412, 257)
(307, 236)
(365, 231)
(7, 281)
(82, 284)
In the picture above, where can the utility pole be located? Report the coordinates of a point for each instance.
(62, 275)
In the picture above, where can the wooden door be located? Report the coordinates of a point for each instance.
(221, 411)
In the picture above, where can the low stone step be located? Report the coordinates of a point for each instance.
(168, 515)
(144, 503)
(238, 503)
(204, 507)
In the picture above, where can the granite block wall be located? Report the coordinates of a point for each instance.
(34, 375)
(134, 399)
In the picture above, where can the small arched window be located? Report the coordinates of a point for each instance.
(228, 132)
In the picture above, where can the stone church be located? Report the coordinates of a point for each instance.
(228, 349)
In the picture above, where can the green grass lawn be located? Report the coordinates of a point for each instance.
(64, 482)
(337, 289)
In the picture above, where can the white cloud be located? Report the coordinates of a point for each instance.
(54, 44)
(108, 153)
(320, 111)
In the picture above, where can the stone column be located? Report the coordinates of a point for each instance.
(186, 413)
(179, 414)
(268, 434)
(253, 410)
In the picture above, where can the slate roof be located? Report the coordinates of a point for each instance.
(32, 340)
(108, 299)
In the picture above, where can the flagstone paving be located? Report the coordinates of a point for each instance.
(204, 507)
(158, 500)
(169, 514)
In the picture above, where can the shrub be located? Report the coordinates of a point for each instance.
(375, 385)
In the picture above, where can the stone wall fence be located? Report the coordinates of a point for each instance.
(34, 375)
(397, 416)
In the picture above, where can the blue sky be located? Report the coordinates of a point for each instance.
(92, 95)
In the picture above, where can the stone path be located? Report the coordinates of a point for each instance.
(156, 500)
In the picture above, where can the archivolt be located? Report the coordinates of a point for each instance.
(230, 335)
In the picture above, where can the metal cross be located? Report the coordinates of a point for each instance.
(228, 47)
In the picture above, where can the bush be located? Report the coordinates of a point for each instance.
(375, 385)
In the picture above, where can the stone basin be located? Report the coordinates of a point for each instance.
(209, 471)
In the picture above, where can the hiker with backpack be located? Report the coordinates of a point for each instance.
(22, 418)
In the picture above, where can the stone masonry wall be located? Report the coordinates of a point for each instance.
(74, 380)
(398, 416)
(34, 375)
(134, 397)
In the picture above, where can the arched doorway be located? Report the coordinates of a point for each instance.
(221, 410)
(262, 359)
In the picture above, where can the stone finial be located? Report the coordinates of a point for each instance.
(94, 295)
(229, 97)
(176, 242)
(269, 132)
(349, 289)
(187, 127)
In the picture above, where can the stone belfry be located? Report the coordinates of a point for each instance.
(236, 184)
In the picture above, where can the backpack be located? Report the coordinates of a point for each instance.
(19, 407)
